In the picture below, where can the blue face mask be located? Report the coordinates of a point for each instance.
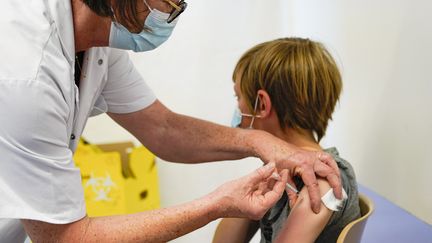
(159, 31)
(237, 116)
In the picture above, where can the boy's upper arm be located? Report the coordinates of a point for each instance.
(302, 224)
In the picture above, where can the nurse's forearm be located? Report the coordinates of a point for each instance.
(237, 198)
(180, 138)
(191, 140)
(152, 226)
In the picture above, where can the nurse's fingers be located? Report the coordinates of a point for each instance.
(328, 169)
(309, 179)
(275, 193)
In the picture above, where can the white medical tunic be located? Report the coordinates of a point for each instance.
(43, 113)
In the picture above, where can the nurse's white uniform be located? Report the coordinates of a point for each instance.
(42, 114)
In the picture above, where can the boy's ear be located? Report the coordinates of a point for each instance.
(264, 104)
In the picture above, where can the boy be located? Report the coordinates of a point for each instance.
(289, 88)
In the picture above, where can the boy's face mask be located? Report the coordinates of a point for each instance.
(237, 116)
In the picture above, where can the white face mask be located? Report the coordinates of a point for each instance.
(237, 116)
(160, 31)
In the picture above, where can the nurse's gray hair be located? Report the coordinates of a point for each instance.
(125, 11)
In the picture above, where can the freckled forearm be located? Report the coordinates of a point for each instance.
(178, 138)
(206, 140)
(184, 139)
(213, 142)
(189, 140)
(154, 226)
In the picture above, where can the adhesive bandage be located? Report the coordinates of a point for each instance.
(331, 202)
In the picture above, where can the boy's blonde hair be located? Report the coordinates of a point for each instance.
(300, 76)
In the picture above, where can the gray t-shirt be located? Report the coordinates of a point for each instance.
(273, 220)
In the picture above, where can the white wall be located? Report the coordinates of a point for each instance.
(382, 124)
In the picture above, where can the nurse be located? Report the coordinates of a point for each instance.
(63, 61)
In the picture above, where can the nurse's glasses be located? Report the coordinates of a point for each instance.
(177, 9)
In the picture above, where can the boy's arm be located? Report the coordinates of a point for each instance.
(302, 224)
(235, 230)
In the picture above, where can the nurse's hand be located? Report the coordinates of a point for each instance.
(310, 164)
(251, 196)
(303, 163)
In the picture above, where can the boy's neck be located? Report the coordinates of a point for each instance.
(299, 137)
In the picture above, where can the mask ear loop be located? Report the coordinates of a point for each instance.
(148, 6)
(113, 15)
(254, 114)
(145, 28)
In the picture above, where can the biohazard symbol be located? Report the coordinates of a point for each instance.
(101, 186)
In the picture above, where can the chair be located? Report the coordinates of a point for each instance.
(352, 233)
